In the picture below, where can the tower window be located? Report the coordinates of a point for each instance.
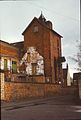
(35, 28)
(34, 68)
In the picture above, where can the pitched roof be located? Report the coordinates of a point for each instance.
(4, 42)
(29, 25)
(20, 42)
(41, 23)
(8, 44)
(19, 45)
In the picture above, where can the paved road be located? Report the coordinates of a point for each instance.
(53, 108)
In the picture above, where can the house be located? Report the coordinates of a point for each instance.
(37, 59)
(40, 37)
(39, 55)
(76, 77)
(45, 43)
(20, 47)
(9, 59)
(67, 81)
(9, 63)
(77, 82)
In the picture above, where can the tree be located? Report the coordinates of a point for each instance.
(79, 58)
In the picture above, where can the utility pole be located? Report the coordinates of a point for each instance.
(80, 26)
(0, 30)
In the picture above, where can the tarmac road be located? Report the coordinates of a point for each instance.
(53, 108)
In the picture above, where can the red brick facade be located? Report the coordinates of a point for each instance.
(39, 34)
(7, 50)
(8, 56)
(45, 65)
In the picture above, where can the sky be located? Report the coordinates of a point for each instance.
(65, 15)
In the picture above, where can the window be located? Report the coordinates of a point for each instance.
(8, 63)
(14, 66)
(35, 28)
(34, 68)
(5, 64)
(58, 47)
(28, 57)
(2, 64)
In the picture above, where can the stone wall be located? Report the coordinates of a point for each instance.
(18, 91)
(80, 91)
(2, 85)
(80, 88)
(24, 78)
(38, 79)
(15, 91)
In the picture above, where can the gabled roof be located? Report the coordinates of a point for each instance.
(20, 42)
(19, 45)
(8, 44)
(4, 42)
(41, 23)
(29, 25)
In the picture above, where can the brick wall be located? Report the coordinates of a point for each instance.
(2, 85)
(24, 78)
(80, 91)
(15, 91)
(8, 50)
(46, 44)
(38, 79)
(80, 88)
(55, 48)
(40, 40)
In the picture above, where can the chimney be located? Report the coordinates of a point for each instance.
(49, 24)
(42, 18)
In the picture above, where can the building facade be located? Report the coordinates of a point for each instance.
(77, 82)
(9, 63)
(9, 59)
(40, 35)
(67, 80)
(40, 54)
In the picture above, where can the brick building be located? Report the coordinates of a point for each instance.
(36, 59)
(9, 58)
(76, 78)
(67, 80)
(9, 63)
(41, 44)
(40, 34)
(77, 82)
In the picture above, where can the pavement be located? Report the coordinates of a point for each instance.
(5, 104)
(49, 108)
(66, 99)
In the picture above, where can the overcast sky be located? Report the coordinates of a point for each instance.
(64, 14)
